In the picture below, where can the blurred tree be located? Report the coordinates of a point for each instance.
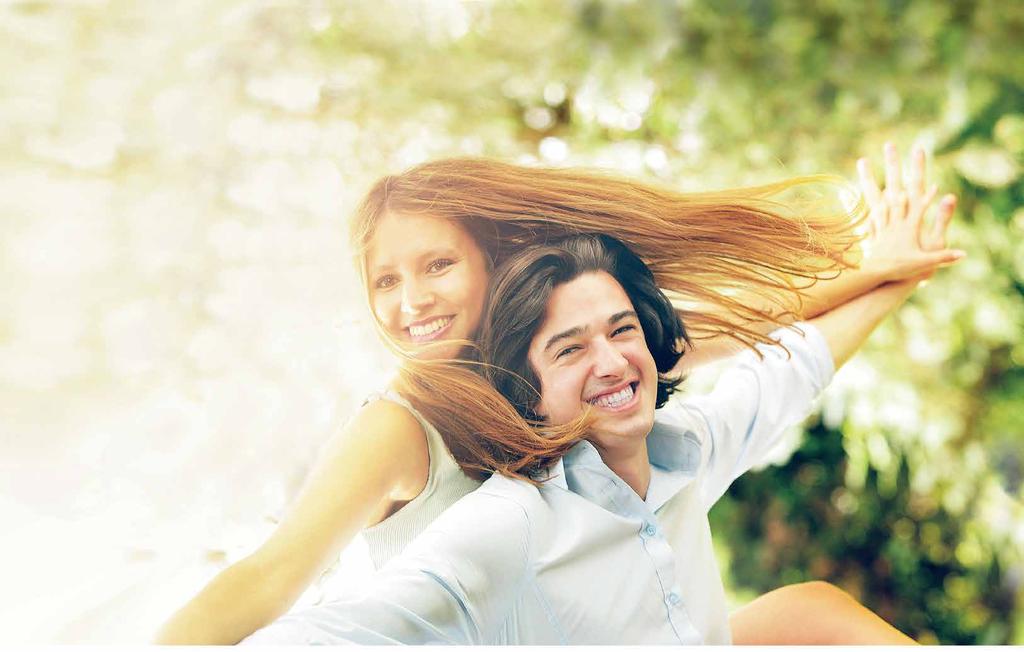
(175, 177)
(916, 508)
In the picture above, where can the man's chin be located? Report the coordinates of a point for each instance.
(632, 429)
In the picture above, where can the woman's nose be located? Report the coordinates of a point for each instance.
(415, 298)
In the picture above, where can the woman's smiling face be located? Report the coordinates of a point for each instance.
(428, 280)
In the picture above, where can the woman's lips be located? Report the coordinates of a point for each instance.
(433, 334)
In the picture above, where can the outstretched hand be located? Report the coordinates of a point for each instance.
(902, 244)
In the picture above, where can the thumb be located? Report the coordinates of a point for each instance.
(944, 257)
(946, 208)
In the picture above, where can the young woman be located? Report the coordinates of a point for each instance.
(425, 242)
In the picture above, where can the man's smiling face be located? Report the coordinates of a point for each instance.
(590, 348)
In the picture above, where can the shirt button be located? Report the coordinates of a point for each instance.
(650, 530)
(673, 598)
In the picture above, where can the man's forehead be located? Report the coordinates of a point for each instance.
(588, 298)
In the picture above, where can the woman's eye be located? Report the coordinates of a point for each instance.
(384, 282)
(440, 264)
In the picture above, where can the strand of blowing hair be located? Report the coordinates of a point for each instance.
(742, 255)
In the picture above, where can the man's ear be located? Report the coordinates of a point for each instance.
(539, 410)
(537, 407)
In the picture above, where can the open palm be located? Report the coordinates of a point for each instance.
(902, 244)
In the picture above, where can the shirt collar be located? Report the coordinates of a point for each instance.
(675, 455)
(554, 475)
(674, 450)
(673, 447)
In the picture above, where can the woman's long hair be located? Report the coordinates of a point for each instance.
(742, 256)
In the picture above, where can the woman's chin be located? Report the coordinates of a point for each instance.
(433, 351)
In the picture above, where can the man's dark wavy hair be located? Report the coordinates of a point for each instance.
(517, 303)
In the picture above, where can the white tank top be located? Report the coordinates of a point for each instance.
(446, 483)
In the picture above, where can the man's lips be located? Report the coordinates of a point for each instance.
(629, 404)
(612, 390)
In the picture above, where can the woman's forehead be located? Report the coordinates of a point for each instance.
(400, 237)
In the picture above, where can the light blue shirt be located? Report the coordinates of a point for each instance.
(582, 559)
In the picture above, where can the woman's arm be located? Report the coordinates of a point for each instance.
(457, 583)
(847, 327)
(378, 461)
(901, 245)
(811, 613)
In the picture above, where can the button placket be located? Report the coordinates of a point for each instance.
(661, 555)
(679, 616)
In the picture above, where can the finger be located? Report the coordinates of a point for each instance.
(877, 209)
(898, 203)
(920, 207)
(945, 257)
(868, 226)
(892, 169)
(879, 217)
(946, 208)
(915, 182)
(926, 264)
(868, 185)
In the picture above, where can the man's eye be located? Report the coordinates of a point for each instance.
(623, 329)
(440, 264)
(385, 282)
(566, 351)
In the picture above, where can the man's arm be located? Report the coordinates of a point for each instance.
(456, 583)
(756, 400)
(899, 209)
(847, 327)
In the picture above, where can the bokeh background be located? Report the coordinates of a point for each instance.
(180, 329)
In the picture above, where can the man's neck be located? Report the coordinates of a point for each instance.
(631, 464)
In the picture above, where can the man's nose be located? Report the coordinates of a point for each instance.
(415, 298)
(608, 360)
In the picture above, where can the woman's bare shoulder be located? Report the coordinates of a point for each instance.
(390, 432)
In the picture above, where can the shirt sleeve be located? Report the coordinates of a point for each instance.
(456, 583)
(755, 401)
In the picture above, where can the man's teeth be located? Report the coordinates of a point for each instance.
(428, 329)
(620, 397)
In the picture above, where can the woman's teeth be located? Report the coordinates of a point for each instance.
(620, 397)
(431, 328)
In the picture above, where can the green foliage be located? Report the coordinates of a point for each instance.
(901, 552)
(232, 134)
(916, 506)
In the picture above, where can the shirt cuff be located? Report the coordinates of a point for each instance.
(813, 342)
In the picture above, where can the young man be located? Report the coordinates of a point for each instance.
(613, 546)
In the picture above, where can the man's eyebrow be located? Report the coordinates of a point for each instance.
(578, 330)
(619, 316)
(558, 337)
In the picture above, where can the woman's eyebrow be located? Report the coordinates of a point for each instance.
(439, 251)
